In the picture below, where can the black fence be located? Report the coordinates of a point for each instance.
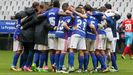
(6, 42)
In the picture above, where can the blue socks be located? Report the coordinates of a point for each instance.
(104, 57)
(94, 60)
(23, 58)
(71, 59)
(52, 58)
(86, 61)
(42, 59)
(36, 58)
(57, 56)
(46, 60)
(30, 58)
(81, 61)
(21, 61)
(15, 59)
(101, 59)
(61, 60)
(114, 61)
(115, 55)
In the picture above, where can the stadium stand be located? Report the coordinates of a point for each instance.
(9, 7)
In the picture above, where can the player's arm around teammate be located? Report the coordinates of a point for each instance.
(77, 40)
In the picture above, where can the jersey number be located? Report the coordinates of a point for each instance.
(52, 21)
(79, 23)
(128, 27)
(60, 26)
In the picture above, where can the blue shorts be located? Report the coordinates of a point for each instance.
(129, 38)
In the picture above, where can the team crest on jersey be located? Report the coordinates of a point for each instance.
(68, 20)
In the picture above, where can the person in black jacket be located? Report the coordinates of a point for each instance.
(27, 38)
(40, 38)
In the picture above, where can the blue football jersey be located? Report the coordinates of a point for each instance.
(69, 21)
(112, 24)
(53, 17)
(80, 24)
(18, 30)
(98, 16)
(61, 31)
(89, 33)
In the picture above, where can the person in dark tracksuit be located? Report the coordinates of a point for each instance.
(42, 27)
(27, 38)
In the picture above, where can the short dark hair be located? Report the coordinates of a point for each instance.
(78, 9)
(129, 15)
(56, 4)
(108, 6)
(35, 4)
(88, 7)
(42, 6)
(102, 9)
(80, 5)
(65, 5)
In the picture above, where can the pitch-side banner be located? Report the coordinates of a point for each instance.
(7, 26)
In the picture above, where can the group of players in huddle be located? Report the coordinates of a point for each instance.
(89, 31)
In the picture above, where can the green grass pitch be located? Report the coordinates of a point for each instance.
(125, 66)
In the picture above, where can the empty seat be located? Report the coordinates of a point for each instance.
(103, 3)
(1, 12)
(11, 13)
(9, 8)
(115, 8)
(121, 9)
(0, 7)
(15, 8)
(123, 4)
(96, 4)
(112, 1)
(0, 3)
(127, 1)
(128, 9)
(117, 4)
(106, 0)
(4, 8)
(91, 3)
(8, 3)
(120, 0)
(99, 0)
(20, 3)
(5, 12)
(25, 4)
(130, 4)
(13, 3)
